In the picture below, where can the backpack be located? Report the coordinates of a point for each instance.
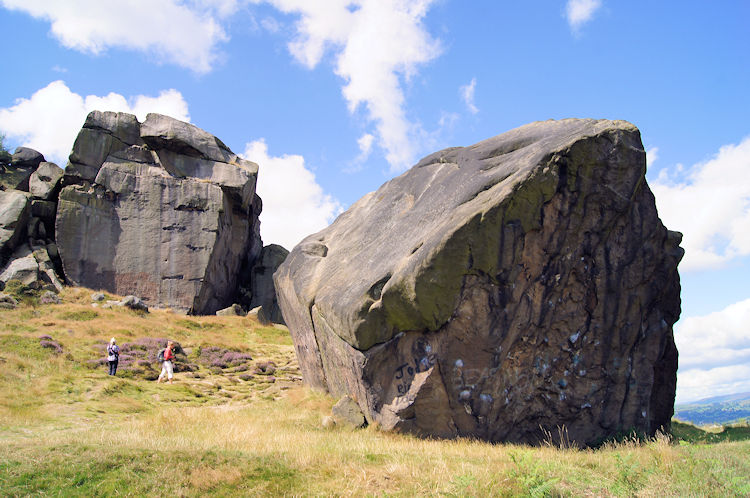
(112, 353)
(160, 354)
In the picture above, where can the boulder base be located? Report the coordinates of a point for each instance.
(498, 291)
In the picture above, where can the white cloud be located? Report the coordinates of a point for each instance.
(294, 205)
(652, 154)
(51, 118)
(579, 12)
(714, 353)
(271, 25)
(700, 384)
(183, 34)
(365, 146)
(467, 95)
(710, 205)
(717, 339)
(376, 44)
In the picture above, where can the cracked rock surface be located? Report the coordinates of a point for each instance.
(498, 291)
(162, 210)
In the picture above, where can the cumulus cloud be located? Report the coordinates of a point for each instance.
(294, 204)
(365, 146)
(377, 45)
(714, 353)
(185, 34)
(50, 119)
(579, 12)
(710, 205)
(467, 95)
(652, 154)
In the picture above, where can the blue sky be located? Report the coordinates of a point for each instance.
(332, 98)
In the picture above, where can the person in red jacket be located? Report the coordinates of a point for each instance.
(167, 367)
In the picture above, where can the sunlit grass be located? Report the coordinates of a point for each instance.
(67, 429)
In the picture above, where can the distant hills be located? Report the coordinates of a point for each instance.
(726, 409)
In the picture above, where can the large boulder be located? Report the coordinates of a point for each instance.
(103, 134)
(498, 291)
(151, 215)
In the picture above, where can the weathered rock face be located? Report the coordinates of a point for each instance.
(44, 181)
(162, 210)
(498, 290)
(27, 220)
(15, 208)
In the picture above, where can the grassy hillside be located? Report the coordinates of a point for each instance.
(239, 422)
(718, 410)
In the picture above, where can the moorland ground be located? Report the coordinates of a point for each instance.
(237, 421)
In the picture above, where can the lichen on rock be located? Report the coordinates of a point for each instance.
(498, 291)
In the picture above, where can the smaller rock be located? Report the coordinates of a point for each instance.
(44, 210)
(44, 181)
(25, 156)
(265, 368)
(49, 297)
(328, 422)
(14, 218)
(260, 314)
(233, 310)
(52, 250)
(23, 267)
(98, 296)
(23, 163)
(347, 412)
(7, 302)
(134, 303)
(35, 229)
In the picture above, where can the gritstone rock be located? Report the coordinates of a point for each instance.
(233, 310)
(162, 210)
(347, 412)
(44, 181)
(7, 302)
(134, 303)
(262, 292)
(498, 291)
(49, 297)
(33, 267)
(23, 163)
(14, 218)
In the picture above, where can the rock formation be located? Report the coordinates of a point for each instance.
(162, 210)
(261, 292)
(28, 189)
(15, 209)
(498, 291)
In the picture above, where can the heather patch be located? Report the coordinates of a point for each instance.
(221, 358)
(47, 342)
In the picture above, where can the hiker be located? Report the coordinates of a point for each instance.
(113, 356)
(166, 365)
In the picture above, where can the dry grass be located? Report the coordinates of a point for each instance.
(70, 430)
